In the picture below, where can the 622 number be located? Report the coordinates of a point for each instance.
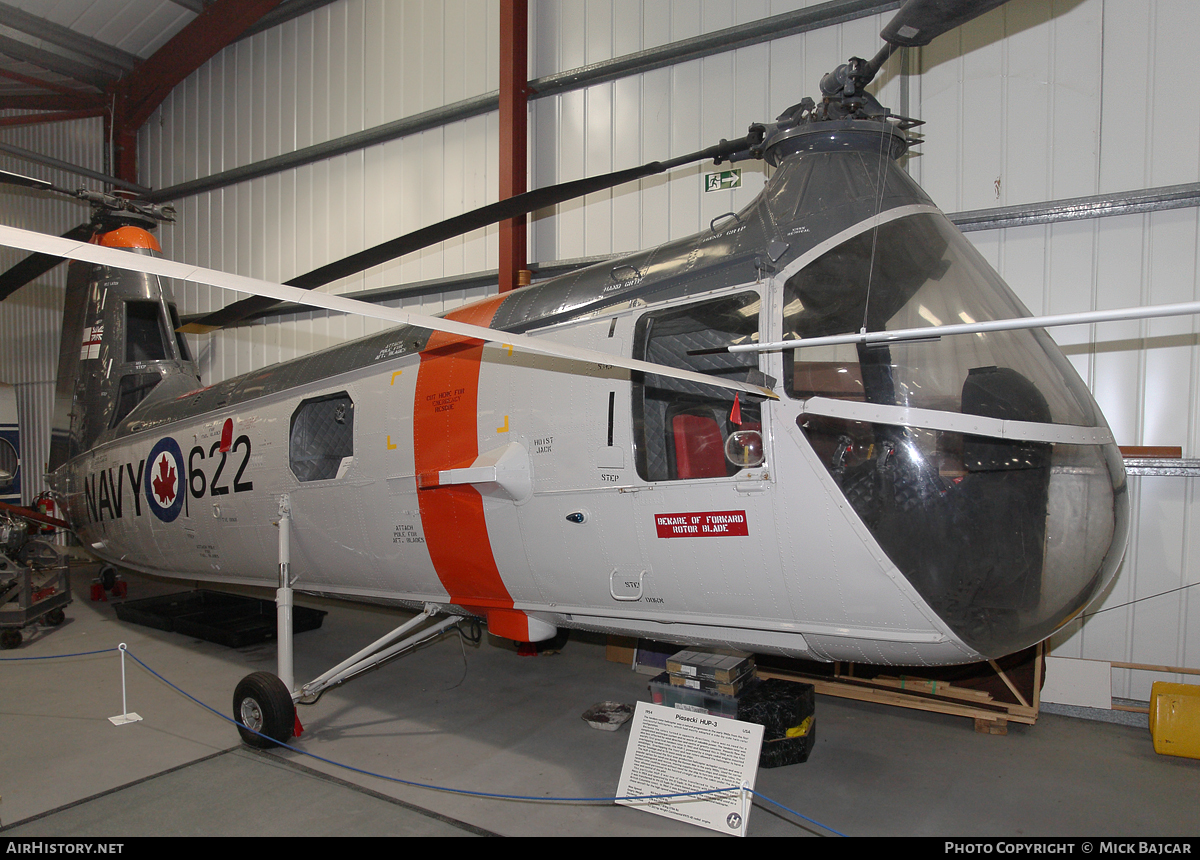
(197, 483)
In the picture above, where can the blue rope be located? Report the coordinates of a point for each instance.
(422, 784)
(794, 812)
(441, 788)
(58, 656)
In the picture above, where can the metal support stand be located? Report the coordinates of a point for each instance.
(378, 651)
(283, 596)
(125, 716)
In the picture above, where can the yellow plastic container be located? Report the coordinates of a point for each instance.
(1175, 719)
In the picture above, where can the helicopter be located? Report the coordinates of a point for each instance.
(751, 437)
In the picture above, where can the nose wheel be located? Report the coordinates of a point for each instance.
(263, 703)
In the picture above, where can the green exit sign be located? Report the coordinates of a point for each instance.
(723, 180)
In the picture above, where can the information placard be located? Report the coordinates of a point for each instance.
(676, 752)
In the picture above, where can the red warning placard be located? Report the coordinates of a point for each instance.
(701, 524)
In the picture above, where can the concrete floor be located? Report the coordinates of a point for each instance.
(481, 718)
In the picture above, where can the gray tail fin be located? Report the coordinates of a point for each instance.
(119, 345)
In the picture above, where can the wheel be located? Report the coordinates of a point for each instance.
(108, 577)
(54, 617)
(261, 702)
(10, 638)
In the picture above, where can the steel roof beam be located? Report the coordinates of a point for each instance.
(217, 26)
(142, 91)
(285, 11)
(56, 63)
(514, 134)
(196, 6)
(42, 118)
(68, 167)
(753, 33)
(114, 58)
(51, 86)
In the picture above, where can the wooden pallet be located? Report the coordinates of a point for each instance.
(991, 712)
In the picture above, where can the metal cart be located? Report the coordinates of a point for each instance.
(35, 582)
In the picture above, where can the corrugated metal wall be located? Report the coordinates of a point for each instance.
(31, 318)
(340, 69)
(1033, 102)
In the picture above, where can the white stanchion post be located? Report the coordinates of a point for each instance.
(125, 716)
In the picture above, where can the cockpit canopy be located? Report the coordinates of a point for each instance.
(979, 462)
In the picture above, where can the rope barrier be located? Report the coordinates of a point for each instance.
(60, 656)
(428, 786)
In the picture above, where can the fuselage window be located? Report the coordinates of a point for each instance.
(145, 339)
(322, 437)
(681, 429)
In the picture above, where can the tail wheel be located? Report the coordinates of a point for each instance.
(262, 703)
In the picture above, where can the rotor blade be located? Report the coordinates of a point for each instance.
(933, 332)
(512, 207)
(24, 181)
(122, 259)
(919, 22)
(36, 265)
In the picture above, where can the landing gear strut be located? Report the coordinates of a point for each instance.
(266, 703)
(263, 702)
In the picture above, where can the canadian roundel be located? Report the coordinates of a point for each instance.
(164, 482)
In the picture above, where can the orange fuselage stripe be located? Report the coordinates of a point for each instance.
(445, 436)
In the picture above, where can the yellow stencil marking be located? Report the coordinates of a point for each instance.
(507, 346)
(394, 375)
(503, 429)
(390, 446)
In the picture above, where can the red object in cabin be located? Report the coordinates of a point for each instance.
(699, 446)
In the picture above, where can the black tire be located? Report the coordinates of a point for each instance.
(54, 617)
(10, 638)
(262, 702)
(108, 577)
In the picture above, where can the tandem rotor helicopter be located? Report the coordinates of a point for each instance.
(751, 437)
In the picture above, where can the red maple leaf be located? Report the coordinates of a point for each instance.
(164, 484)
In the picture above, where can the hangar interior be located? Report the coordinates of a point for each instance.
(1056, 133)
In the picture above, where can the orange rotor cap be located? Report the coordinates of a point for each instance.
(129, 237)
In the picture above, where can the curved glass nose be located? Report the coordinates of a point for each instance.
(980, 462)
(1005, 540)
